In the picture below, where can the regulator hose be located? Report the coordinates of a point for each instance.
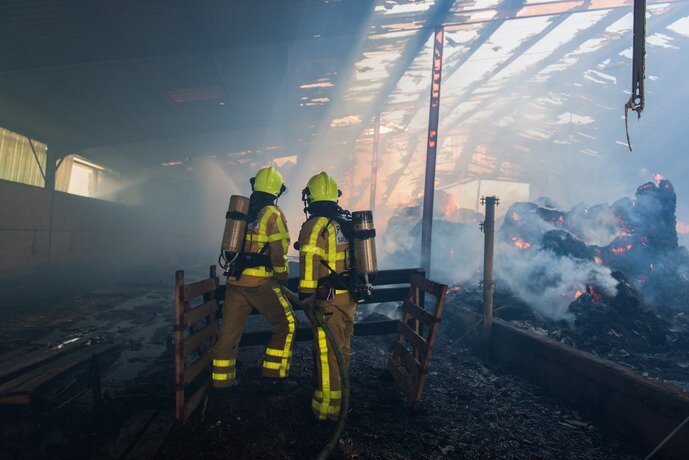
(344, 375)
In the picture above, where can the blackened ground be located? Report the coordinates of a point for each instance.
(470, 410)
(627, 334)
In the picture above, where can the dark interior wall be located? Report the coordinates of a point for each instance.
(40, 230)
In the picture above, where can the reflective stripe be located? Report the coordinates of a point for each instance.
(224, 362)
(252, 237)
(308, 284)
(278, 353)
(260, 272)
(271, 365)
(277, 236)
(322, 407)
(282, 228)
(309, 250)
(334, 394)
(223, 376)
(291, 328)
(323, 411)
(331, 258)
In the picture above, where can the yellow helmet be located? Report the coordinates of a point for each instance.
(322, 187)
(268, 180)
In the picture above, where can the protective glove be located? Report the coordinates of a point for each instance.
(308, 303)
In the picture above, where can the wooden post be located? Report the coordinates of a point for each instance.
(179, 351)
(488, 228)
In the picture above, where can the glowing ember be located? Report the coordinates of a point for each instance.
(598, 260)
(520, 243)
(595, 296)
(621, 249)
(658, 177)
(577, 294)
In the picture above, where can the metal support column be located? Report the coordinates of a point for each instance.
(488, 227)
(374, 161)
(431, 151)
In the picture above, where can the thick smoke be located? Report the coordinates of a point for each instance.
(546, 281)
(548, 257)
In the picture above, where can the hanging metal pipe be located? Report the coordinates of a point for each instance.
(488, 228)
(431, 151)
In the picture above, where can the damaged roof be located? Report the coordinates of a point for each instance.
(140, 83)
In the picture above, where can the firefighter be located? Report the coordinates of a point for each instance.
(323, 259)
(257, 285)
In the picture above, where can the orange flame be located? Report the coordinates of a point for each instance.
(520, 243)
(577, 294)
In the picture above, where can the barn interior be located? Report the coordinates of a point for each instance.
(126, 126)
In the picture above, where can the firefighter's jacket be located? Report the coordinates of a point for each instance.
(269, 228)
(321, 239)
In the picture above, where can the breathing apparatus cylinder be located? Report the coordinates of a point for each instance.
(235, 226)
(364, 239)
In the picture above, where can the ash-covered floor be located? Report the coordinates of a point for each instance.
(470, 409)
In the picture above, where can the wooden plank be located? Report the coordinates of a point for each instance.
(31, 359)
(395, 294)
(32, 380)
(196, 340)
(195, 400)
(196, 314)
(416, 341)
(426, 285)
(400, 378)
(399, 276)
(408, 360)
(199, 288)
(440, 301)
(191, 372)
(149, 442)
(419, 313)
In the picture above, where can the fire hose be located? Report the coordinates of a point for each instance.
(316, 315)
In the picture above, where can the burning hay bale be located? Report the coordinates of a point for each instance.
(636, 237)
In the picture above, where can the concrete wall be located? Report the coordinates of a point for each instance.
(643, 410)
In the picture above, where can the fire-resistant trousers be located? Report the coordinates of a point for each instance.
(268, 299)
(339, 315)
